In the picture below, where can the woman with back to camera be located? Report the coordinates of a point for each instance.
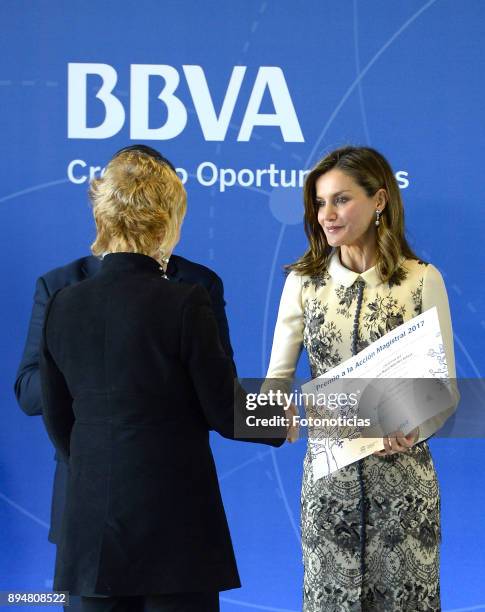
(134, 377)
(371, 530)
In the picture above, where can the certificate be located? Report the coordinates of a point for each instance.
(395, 384)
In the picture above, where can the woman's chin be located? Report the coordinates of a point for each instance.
(334, 241)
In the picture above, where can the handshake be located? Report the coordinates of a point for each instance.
(268, 407)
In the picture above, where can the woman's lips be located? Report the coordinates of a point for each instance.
(333, 230)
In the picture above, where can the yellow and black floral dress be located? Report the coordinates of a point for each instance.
(371, 530)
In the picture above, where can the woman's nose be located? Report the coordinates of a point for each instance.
(329, 212)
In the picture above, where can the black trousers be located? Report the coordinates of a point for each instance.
(177, 602)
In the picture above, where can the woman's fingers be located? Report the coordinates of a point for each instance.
(293, 429)
(387, 445)
(412, 436)
(405, 442)
(393, 443)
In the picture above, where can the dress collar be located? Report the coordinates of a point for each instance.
(346, 277)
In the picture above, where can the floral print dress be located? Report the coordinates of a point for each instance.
(371, 530)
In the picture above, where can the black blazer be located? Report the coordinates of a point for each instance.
(133, 378)
(27, 383)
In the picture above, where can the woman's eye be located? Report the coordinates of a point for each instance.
(341, 200)
(320, 204)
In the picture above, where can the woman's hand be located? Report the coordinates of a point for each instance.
(293, 429)
(397, 442)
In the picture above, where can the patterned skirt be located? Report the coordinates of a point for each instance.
(371, 535)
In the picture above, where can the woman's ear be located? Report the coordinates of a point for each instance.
(382, 199)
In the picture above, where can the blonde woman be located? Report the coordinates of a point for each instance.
(134, 377)
(370, 531)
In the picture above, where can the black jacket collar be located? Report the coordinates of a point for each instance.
(91, 264)
(173, 268)
(129, 261)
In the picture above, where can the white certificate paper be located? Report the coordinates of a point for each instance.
(411, 352)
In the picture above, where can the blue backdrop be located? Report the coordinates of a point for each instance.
(403, 77)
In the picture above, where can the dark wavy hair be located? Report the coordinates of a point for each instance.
(372, 172)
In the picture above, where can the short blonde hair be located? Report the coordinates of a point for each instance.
(138, 204)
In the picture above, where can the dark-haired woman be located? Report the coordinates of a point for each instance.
(371, 530)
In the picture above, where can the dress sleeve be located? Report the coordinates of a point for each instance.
(434, 294)
(288, 334)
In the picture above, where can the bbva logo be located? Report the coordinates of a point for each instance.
(214, 124)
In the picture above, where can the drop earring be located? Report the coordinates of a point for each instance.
(378, 214)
